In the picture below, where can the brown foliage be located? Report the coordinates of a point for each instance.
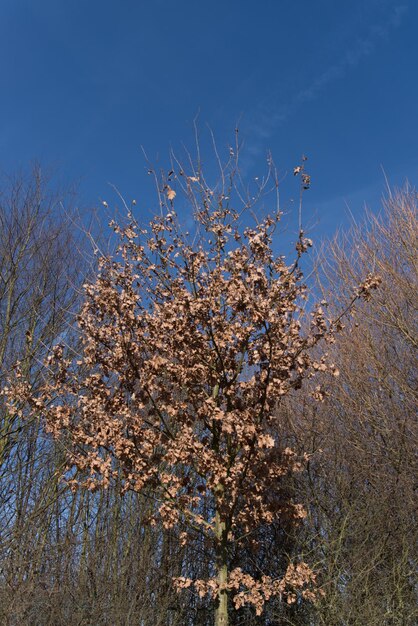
(188, 347)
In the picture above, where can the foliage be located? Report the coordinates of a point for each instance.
(189, 344)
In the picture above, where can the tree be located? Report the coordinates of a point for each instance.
(39, 270)
(360, 486)
(189, 343)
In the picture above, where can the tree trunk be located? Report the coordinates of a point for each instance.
(221, 610)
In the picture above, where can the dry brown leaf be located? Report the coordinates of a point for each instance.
(171, 194)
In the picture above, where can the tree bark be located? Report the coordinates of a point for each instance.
(221, 610)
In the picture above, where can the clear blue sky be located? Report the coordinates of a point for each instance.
(85, 83)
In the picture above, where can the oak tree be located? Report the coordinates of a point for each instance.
(190, 342)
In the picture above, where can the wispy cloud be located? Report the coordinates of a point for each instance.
(353, 56)
(267, 120)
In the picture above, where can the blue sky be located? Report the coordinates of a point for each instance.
(85, 84)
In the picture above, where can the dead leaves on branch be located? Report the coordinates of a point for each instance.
(187, 351)
(170, 193)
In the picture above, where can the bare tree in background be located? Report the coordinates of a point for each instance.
(38, 277)
(363, 437)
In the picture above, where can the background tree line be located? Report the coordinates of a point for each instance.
(93, 557)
